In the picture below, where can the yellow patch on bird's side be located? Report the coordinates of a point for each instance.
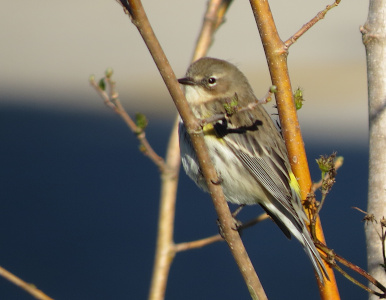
(209, 131)
(294, 183)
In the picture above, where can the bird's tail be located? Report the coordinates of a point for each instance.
(314, 256)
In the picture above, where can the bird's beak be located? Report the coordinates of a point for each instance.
(186, 81)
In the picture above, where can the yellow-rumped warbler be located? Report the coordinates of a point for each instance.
(246, 148)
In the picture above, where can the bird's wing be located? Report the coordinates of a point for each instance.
(255, 141)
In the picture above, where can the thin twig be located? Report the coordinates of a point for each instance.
(28, 287)
(254, 221)
(370, 218)
(198, 243)
(217, 238)
(112, 101)
(329, 166)
(332, 258)
(308, 25)
(356, 282)
(237, 109)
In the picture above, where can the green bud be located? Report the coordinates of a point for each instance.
(326, 164)
(102, 84)
(142, 148)
(91, 78)
(230, 105)
(141, 121)
(273, 89)
(109, 72)
(298, 97)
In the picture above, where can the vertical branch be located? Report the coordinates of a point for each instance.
(165, 251)
(276, 55)
(374, 39)
(214, 17)
(135, 10)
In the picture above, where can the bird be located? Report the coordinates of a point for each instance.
(246, 148)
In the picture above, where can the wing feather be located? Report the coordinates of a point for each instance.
(262, 151)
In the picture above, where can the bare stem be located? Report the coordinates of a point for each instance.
(28, 287)
(237, 109)
(332, 258)
(198, 243)
(217, 238)
(165, 251)
(112, 101)
(309, 24)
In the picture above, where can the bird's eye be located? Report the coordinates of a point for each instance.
(212, 81)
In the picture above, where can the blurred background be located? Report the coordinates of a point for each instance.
(77, 216)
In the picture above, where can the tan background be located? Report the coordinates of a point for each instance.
(49, 49)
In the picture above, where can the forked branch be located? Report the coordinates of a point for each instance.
(106, 89)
